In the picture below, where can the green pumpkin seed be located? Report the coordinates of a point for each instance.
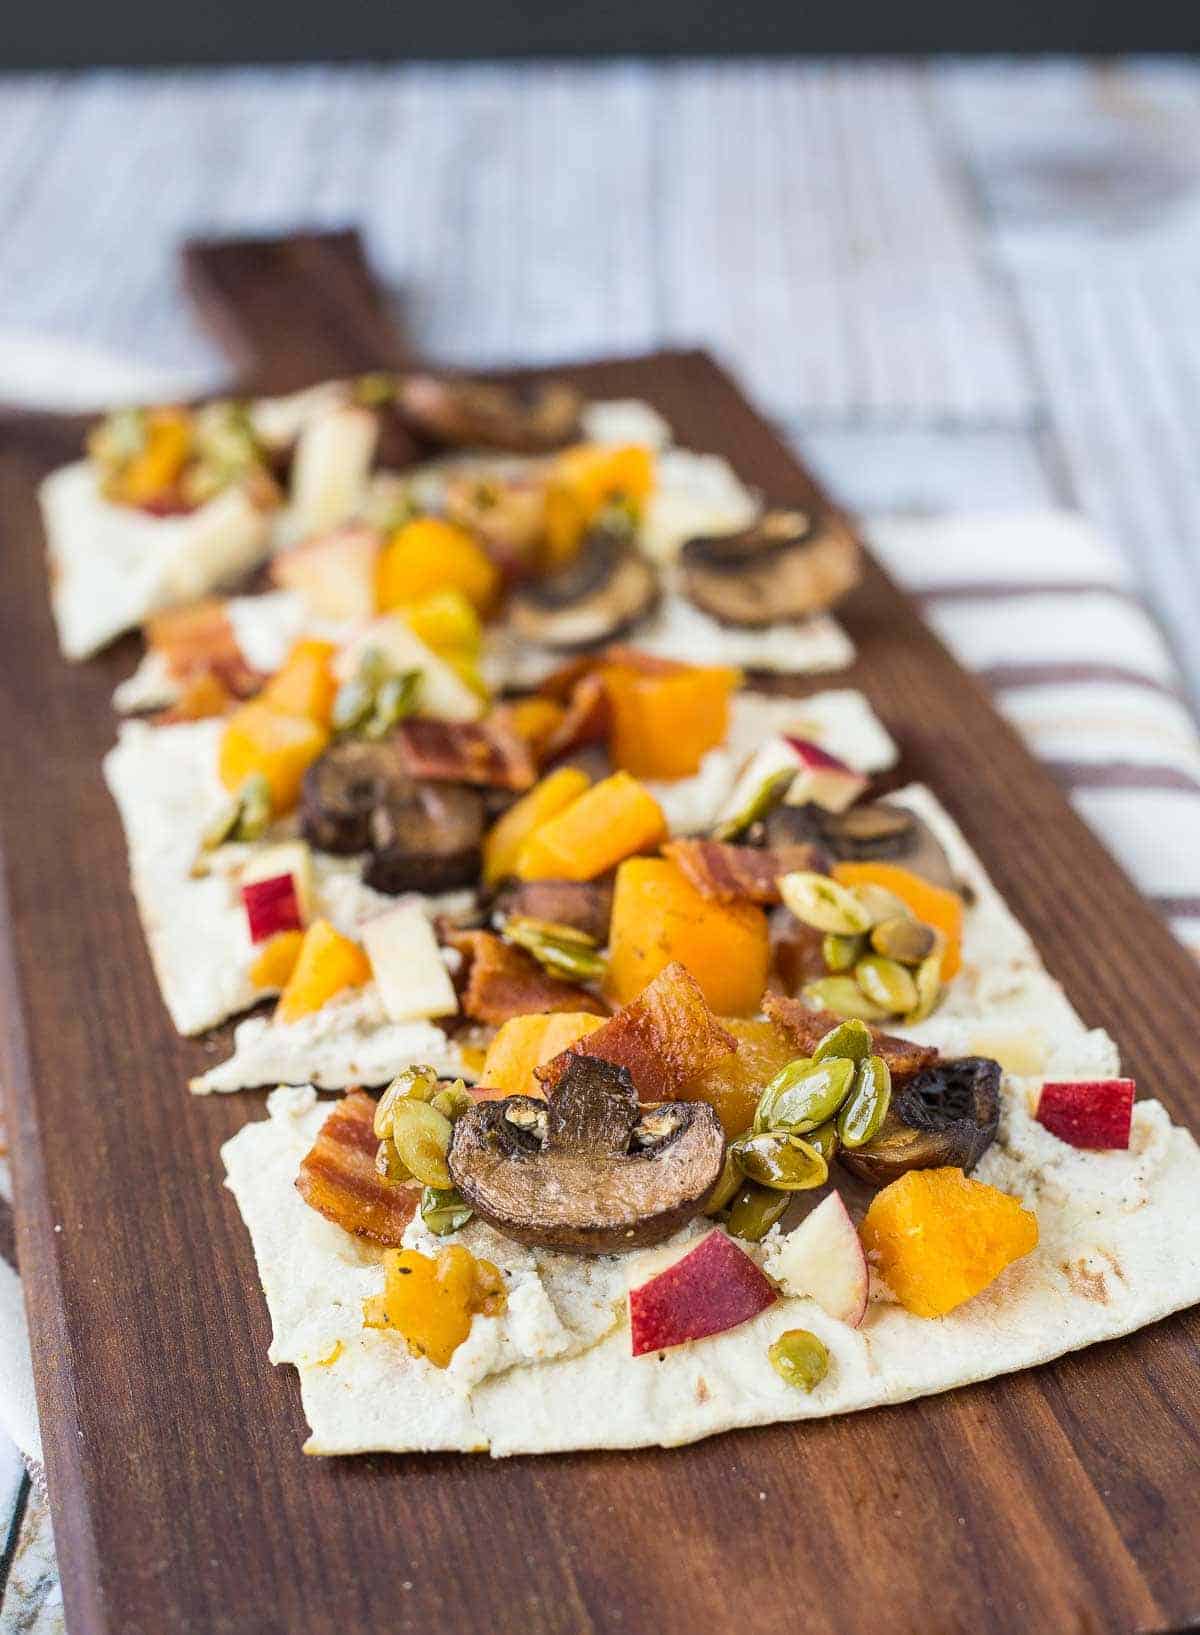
(422, 1138)
(879, 904)
(373, 390)
(754, 1212)
(785, 1163)
(825, 1141)
(453, 1102)
(804, 1094)
(395, 697)
(823, 903)
(842, 953)
(389, 1164)
(352, 705)
(904, 939)
(412, 1084)
(851, 1039)
(928, 983)
(443, 1210)
(562, 950)
(729, 1184)
(799, 1358)
(866, 1107)
(886, 982)
(843, 996)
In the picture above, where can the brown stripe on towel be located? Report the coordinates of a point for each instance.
(995, 590)
(8, 1235)
(1122, 775)
(1015, 673)
(1177, 908)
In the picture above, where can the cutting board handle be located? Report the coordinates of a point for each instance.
(294, 310)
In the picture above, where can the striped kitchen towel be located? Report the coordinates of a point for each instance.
(1043, 609)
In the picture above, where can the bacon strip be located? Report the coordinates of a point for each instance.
(586, 905)
(585, 720)
(480, 752)
(807, 1027)
(339, 1180)
(503, 982)
(730, 874)
(200, 640)
(666, 1038)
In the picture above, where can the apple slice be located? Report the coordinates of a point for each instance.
(330, 469)
(822, 780)
(335, 576)
(407, 964)
(1092, 1113)
(823, 1260)
(712, 1286)
(288, 857)
(271, 906)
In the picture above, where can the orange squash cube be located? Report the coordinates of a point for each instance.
(936, 906)
(658, 916)
(281, 747)
(940, 1237)
(503, 842)
(526, 1042)
(428, 555)
(445, 621)
(305, 684)
(159, 464)
(274, 966)
(732, 1083)
(430, 1302)
(327, 962)
(662, 726)
(615, 818)
(583, 481)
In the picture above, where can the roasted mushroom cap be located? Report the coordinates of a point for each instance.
(945, 1115)
(585, 905)
(786, 566)
(421, 836)
(477, 414)
(873, 831)
(588, 1171)
(607, 588)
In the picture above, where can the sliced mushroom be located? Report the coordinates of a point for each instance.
(589, 1171)
(873, 831)
(946, 1115)
(786, 566)
(606, 589)
(585, 905)
(421, 836)
(478, 414)
(426, 837)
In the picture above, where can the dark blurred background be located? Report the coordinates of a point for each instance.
(78, 33)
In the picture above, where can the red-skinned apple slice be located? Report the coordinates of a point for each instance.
(272, 905)
(822, 780)
(823, 1260)
(712, 1286)
(1095, 1114)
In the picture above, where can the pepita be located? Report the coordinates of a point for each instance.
(413, 1084)
(422, 1138)
(825, 1141)
(562, 950)
(754, 1212)
(453, 1102)
(886, 982)
(388, 1163)
(928, 984)
(800, 1358)
(444, 1211)
(245, 817)
(824, 904)
(903, 938)
(725, 1189)
(842, 953)
(879, 904)
(866, 1107)
(851, 1039)
(785, 1163)
(843, 996)
(804, 1094)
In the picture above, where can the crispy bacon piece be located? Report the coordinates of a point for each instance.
(585, 719)
(666, 1037)
(807, 1027)
(199, 640)
(203, 696)
(339, 1180)
(730, 874)
(560, 684)
(479, 752)
(797, 953)
(502, 982)
(584, 904)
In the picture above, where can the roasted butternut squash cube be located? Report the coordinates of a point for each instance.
(615, 818)
(936, 906)
(504, 840)
(526, 1042)
(662, 726)
(327, 963)
(583, 481)
(940, 1237)
(282, 747)
(159, 464)
(733, 1083)
(446, 621)
(277, 961)
(305, 684)
(428, 555)
(658, 916)
(430, 1302)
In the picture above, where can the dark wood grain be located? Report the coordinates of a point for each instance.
(1062, 1499)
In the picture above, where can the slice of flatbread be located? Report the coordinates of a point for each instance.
(1118, 1250)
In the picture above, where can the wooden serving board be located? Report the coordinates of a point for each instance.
(1060, 1499)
